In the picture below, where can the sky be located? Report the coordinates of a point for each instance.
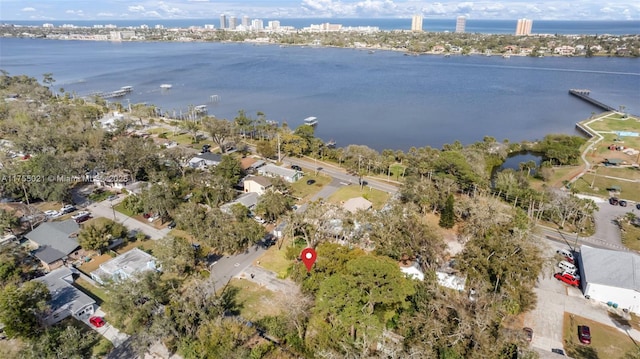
(280, 9)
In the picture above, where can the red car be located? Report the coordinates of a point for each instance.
(584, 334)
(567, 278)
(96, 321)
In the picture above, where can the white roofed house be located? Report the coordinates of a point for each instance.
(249, 200)
(66, 300)
(610, 276)
(271, 170)
(124, 266)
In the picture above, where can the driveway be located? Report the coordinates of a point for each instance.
(105, 209)
(107, 330)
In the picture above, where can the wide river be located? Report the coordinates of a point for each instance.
(382, 99)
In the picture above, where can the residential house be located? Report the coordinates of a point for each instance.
(271, 170)
(124, 266)
(66, 300)
(117, 179)
(137, 187)
(565, 50)
(257, 184)
(54, 242)
(110, 121)
(204, 160)
(249, 200)
(356, 204)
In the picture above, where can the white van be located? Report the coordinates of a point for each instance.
(567, 267)
(567, 254)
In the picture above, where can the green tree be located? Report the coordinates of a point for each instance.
(8, 220)
(266, 148)
(448, 216)
(176, 255)
(353, 307)
(94, 237)
(161, 199)
(192, 127)
(220, 130)
(21, 308)
(229, 168)
(272, 205)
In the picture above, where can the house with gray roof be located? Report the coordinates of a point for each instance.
(54, 241)
(66, 300)
(205, 160)
(249, 200)
(611, 276)
(124, 266)
(271, 170)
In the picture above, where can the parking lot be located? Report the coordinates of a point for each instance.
(554, 299)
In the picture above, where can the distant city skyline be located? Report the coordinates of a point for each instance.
(282, 9)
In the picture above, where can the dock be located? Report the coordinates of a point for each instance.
(584, 95)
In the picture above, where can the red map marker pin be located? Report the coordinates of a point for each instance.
(308, 256)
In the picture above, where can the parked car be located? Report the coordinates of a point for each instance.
(296, 167)
(112, 197)
(557, 351)
(622, 203)
(82, 218)
(567, 278)
(528, 333)
(171, 225)
(52, 213)
(569, 274)
(67, 209)
(584, 333)
(206, 148)
(310, 182)
(97, 321)
(259, 220)
(613, 201)
(638, 205)
(566, 254)
(80, 214)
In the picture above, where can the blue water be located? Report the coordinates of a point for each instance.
(433, 25)
(383, 100)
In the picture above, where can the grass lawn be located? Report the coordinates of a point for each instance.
(606, 342)
(631, 236)
(378, 198)
(629, 190)
(274, 260)
(254, 301)
(616, 123)
(184, 139)
(302, 190)
(88, 267)
(563, 173)
(99, 294)
(120, 208)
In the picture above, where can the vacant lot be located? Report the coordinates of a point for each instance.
(606, 342)
(255, 301)
(304, 191)
(274, 259)
(378, 198)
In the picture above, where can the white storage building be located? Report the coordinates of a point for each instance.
(611, 276)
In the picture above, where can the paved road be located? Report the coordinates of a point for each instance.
(104, 209)
(269, 280)
(227, 267)
(340, 174)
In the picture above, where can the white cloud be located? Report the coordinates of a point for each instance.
(106, 14)
(136, 8)
(75, 12)
(28, 9)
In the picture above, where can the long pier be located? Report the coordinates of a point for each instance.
(584, 95)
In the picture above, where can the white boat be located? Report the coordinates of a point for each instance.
(311, 121)
(126, 88)
(200, 109)
(166, 86)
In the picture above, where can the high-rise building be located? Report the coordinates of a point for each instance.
(233, 22)
(274, 25)
(461, 23)
(416, 23)
(246, 21)
(257, 25)
(524, 27)
(223, 21)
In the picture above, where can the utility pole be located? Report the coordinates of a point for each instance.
(278, 147)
